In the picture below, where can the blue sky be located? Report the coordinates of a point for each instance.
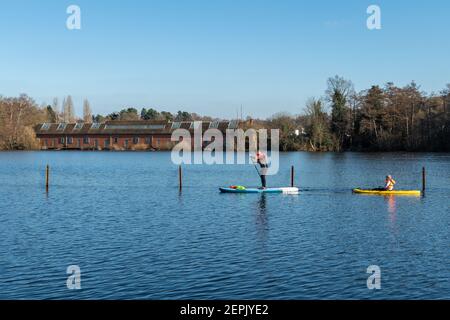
(211, 57)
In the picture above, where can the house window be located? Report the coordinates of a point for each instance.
(45, 126)
(86, 140)
(69, 140)
(96, 143)
(45, 142)
(116, 140)
(148, 140)
(135, 140)
(126, 143)
(214, 125)
(195, 125)
(78, 126)
(106, 143)
(61, 126)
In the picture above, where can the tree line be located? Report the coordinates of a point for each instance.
(388, 118)
(381, 118)
(130, 113)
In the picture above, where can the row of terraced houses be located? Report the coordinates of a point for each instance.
(119, 135)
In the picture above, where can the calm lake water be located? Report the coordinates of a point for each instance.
(120, 217)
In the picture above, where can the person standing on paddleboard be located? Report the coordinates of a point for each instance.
(261, 159)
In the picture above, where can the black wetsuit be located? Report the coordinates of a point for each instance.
(264, 168)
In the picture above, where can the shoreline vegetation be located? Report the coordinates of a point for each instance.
(387, 118)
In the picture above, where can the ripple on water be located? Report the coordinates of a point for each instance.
(119, 216)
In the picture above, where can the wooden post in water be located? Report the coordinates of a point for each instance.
(424, 179)
(180, 177)
(47, 175)
(292, 176)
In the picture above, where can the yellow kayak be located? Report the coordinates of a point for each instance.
(389, 193)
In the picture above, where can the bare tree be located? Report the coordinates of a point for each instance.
(56, 110)
(338, 92)
(87, 111)
(17, 117)
(68, 110)
(318, 128)
(339, 86)
(65, 112)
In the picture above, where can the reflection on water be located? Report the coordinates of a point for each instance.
(392, 210)
(391, 204)
(120, 216)
(262, 222)
(262, 204)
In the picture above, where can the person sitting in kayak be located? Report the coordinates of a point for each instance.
(389, 184)
(261, 159)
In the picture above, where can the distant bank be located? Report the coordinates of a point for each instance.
(381, 118)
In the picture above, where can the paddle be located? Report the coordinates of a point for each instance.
(254, 164)
(259, 174)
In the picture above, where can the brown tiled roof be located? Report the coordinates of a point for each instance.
(120, 127)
